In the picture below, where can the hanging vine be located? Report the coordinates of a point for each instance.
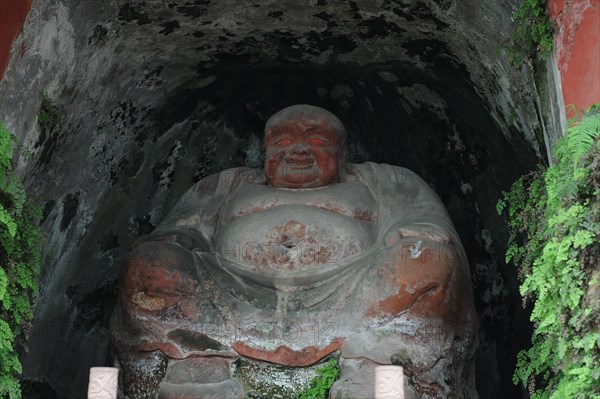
(19, 267)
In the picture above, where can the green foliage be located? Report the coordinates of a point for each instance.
(49, 115)
(525, 219)
(19, 266)
(554, 223)
(532, 35)
(319, 386)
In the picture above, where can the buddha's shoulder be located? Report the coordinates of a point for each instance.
(371, 172)
(225, 179)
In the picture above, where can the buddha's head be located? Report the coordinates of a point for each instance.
(304, 147)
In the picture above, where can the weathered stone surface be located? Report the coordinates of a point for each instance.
(271, 381)
(195, 378)
(200, 370)
(146, 372)
(229, 389)
(149, 108)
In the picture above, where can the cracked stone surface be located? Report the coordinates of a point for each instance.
(154, 95)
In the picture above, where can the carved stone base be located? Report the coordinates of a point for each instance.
(357, 380)
(141, 375)
(265, 380)
(203, 377)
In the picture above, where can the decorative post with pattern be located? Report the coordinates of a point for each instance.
(103, 383)
(389, 382)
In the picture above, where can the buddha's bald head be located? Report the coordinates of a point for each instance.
(310, 113)
(305, 147)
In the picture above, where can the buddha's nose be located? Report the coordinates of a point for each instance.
(301, 148)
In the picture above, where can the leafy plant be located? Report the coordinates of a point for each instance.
(320, 385)
(554, 223)
(532, 36)
(19, 266)
(49, 115)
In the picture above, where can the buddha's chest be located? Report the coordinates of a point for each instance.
(264, 227)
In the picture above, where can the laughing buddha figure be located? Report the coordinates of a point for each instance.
(307, 258)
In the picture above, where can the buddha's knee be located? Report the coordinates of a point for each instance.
(419, 276)
(158, 275)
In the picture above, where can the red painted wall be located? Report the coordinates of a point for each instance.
(577, 50)
(12, 17)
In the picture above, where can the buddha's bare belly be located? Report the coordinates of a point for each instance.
(293, 237)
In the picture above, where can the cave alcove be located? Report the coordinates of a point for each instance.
(155, 95)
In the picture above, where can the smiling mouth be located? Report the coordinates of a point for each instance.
(300, 163)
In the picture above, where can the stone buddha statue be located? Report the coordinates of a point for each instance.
(307, 258)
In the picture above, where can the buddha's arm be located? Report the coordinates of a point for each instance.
(420, 230)
(419, 244)
(187, 238)
(421, 215)
(407, 206)
(188, 222)
(160, 268)
(431, 275)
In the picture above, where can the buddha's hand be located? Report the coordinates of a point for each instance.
(189, 239)
(422, 231)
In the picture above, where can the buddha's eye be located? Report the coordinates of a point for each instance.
(317, 140)
(282, 141)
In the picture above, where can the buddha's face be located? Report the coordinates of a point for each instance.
(302, 153)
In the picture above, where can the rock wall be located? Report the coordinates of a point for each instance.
(154, 95)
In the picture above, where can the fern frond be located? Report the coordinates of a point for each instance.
(580, 137)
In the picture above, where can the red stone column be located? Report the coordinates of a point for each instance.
(577, 51)
(12, 18)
